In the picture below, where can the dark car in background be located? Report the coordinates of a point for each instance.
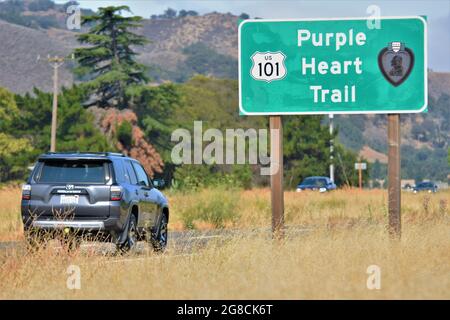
(106, 195)
(427, 186)
(316, 183)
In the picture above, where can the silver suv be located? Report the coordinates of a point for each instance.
(107, 195)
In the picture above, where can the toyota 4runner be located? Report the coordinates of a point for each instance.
(107, 195)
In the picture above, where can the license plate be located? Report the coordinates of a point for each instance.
(69, 199)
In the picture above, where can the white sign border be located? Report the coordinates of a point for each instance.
(241, 109)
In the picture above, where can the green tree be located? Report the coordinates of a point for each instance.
(14, 149)
(378, 170)
(13, 157)
(155, 108)
(109, 59)
(307, 152)
(8, 109)
(306, 148)
(76, 130)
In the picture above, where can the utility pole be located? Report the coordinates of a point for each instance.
(331, 116)
(55, 62)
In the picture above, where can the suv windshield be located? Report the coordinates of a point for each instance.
(314, 182)
(73, 171)
(425, 185)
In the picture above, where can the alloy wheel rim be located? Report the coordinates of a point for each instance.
(132, 235)
(163, 234)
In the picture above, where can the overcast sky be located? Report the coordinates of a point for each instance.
(437, 11)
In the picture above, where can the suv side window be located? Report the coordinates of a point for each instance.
(119, 171)
(129, 172)
(142, 176)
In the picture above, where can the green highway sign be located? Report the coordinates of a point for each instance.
(340, 66)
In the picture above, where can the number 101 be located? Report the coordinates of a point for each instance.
(268, 69)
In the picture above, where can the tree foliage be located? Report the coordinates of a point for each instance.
(121, 126)
(13, 148)
(26, 134)
(75, 131)
(156, 108)
(13, 157)
(8, 109)
(109, 59)
(306, 148)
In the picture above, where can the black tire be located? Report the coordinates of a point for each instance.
(159, 240)
(132, 236)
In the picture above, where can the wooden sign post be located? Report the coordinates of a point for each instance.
(360, 178)
(276, 178)
(394, 202)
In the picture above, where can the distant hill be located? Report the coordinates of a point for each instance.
(426, 130)
(179, 48)
(176, 41)
(19, 51)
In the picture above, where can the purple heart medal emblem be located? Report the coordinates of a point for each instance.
(396, 62)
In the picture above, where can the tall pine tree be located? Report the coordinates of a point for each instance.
(109, 60)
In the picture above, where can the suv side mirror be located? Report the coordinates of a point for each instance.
(159, 183)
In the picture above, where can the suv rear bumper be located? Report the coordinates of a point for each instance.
(47, 218)
(81, 225)
(111, 225)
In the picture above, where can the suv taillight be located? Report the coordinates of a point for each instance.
(26, 192)
(116, 193)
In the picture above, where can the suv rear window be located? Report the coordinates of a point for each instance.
(78, 171)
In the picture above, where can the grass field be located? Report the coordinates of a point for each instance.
(347, 235)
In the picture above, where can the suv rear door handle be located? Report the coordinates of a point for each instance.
(136, 191)
(146, 194)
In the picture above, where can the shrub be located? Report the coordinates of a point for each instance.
(125, 133)
(194, 177)
(216, 207)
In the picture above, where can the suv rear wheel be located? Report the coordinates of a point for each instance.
(132, 236)
(159, 239)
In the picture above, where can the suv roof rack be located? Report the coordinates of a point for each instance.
(116, 154)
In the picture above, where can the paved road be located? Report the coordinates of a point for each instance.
(180, 242)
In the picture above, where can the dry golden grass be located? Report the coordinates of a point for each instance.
(251, 208)
(10, 223)
(329, 262)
